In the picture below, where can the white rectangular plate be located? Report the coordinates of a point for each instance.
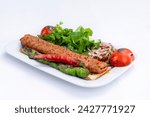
(13, 48)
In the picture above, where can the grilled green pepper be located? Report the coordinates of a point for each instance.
(74, 71)
(52, 64)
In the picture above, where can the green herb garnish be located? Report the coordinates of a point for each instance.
(76, 40)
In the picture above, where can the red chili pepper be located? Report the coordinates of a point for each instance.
(58, 58)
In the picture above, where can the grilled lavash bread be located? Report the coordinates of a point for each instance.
(96, 67)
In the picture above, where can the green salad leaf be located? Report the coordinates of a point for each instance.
(76, 40)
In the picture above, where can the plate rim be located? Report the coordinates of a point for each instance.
(77, 81)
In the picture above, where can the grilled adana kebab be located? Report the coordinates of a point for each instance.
(93, 65)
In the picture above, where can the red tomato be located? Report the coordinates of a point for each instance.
(121, 57)
(47, 30)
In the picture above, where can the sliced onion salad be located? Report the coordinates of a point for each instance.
(104, 51)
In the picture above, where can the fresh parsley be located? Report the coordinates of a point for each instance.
(76, 40)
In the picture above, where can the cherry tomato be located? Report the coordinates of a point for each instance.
(121, 57)
(46, 30)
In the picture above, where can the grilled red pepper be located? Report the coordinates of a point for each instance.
(58, 58)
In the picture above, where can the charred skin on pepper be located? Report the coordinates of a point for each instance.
(58, 58)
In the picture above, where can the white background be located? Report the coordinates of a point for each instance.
(121, 22)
